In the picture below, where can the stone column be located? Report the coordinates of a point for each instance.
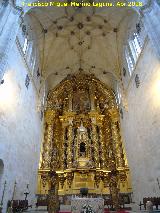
(69, 148)
(95, 143)
(116, 138)
(8, 34)
(151, 12)
(47, 144)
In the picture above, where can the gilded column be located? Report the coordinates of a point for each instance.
(69, 148)
(47, 144)
(70, 101)
(116, 138)
(95, 143)
(53, 203)
(113, 184)
(107, 139)
(91, 92)
(103, 148)
(62, 148)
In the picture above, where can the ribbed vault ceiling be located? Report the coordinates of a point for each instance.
(74, 39)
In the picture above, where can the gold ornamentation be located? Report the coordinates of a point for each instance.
(113, 179)
(81, 136)
(69, 150)
(62, 179)
(44, 178)
(105, 179)
(69, 178)
(96, 145)
(97, 178)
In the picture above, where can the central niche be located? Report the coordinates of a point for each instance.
(82, 149)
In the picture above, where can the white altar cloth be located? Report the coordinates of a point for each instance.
(97, 204)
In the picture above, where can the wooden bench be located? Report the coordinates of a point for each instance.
(154, 200)
(18, 205)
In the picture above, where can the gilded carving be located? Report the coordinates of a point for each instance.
(82, 144)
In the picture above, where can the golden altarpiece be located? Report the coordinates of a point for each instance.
(82, 145)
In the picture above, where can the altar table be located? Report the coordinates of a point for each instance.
(97, 204)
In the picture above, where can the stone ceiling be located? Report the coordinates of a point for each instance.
(76, 39)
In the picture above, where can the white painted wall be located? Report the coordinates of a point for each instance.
(141, 125)
(20, 130)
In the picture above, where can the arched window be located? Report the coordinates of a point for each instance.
(27, 47)
(129, 59)
(118, 95)
(23, 38)
(134, 46)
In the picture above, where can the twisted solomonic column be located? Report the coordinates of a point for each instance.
(103, 148)
(53, 203)
(69, 148)
(116, 138)
(62, 164)
(48, 138)
(95, 144)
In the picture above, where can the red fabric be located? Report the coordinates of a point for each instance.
(105, 211)
(121, 211)
(64, 212)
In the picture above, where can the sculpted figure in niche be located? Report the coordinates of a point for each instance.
(82, 149)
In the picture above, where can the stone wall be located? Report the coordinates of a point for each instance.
(20, 130)
(141, 125)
